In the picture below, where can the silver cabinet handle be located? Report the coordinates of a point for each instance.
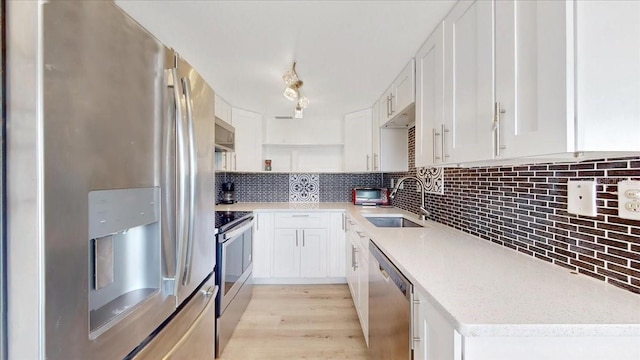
(375, 161)
(391, 104)
(300, 215)
(303, 243)
(344, 221)
(498, 110)
(434, 135)
(415, 333)
(257, 221)
(235, 161)
(367, 162)
(445, 156)
(193, 174)
(355, 258)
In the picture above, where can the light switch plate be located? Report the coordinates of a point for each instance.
(629, 199)
(582, 198)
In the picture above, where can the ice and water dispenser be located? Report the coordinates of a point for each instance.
(124, 253)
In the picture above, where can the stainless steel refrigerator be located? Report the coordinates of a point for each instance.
(110, 189)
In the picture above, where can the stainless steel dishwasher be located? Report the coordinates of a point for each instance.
(390, 295)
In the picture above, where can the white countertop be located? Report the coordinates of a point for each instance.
(487, 289)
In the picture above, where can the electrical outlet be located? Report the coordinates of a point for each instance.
(581, 198)
(629, 199)
(393, 182)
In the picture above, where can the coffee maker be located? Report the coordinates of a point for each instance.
(228, 193)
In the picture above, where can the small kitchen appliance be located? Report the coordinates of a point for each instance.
(370, 196)
(228, 193)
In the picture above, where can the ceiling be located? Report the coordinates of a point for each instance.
(348, 52)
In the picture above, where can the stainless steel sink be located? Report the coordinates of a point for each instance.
(391, 221)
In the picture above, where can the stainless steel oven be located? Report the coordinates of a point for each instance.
(234, 261)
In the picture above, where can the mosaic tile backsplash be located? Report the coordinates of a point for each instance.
(276, 187)
(524, 208)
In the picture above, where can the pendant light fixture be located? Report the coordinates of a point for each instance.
(292, 91)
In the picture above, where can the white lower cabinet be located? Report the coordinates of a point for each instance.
(263, 245)
(435, 338)
(299, 247)
(300, 253)
(433, 335)
(357, 254)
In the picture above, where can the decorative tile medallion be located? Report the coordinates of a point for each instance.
(433, 177)
(304, 188)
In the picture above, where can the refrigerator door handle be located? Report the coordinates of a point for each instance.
(182, 174)
(171, 220)
(193, 169)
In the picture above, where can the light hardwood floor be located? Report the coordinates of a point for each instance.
(298, 322)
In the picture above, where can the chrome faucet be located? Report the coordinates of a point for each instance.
(419, 181)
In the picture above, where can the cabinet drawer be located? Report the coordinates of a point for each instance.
(302, 220)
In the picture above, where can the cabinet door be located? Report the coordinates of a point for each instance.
(357, 141)
(384, 108)
(468, 116)
(531, 77)
(248, 154)
(222, 109)
(286, 253)
(375, 136)
(394, 150)
(363, 291)
(434, 336)
(313, 253)
(350, 270)
(336, 244)
(263, 245)
(430, 100)
(403, 89)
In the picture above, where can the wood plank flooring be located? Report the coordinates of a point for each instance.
(298, 322)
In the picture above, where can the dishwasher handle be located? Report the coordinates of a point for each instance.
(390, 272)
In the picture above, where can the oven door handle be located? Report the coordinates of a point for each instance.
(235, 232)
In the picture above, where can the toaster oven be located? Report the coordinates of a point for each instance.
(370, 196)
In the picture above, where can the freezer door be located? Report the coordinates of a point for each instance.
(101, 78)
(197, 249)
(190, 334)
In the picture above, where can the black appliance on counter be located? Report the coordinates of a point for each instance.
(234, 251)
(227, 195)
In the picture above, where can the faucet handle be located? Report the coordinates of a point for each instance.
(425, 211)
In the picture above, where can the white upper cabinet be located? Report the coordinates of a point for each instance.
(357, 141)
(248, 154)
(468, 81)
(560, 78)
(375, 136)
(607, 75)
(398, 98)
(222, 109)
(430, 100)
(390, 145)
(531, 78)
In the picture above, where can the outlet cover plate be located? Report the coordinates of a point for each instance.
(629, 199)
(581, 197)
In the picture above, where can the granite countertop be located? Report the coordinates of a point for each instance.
(485, 289)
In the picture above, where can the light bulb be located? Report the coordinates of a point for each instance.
(298, 113)
(290, 93)
(290, 77)
(303, 102)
